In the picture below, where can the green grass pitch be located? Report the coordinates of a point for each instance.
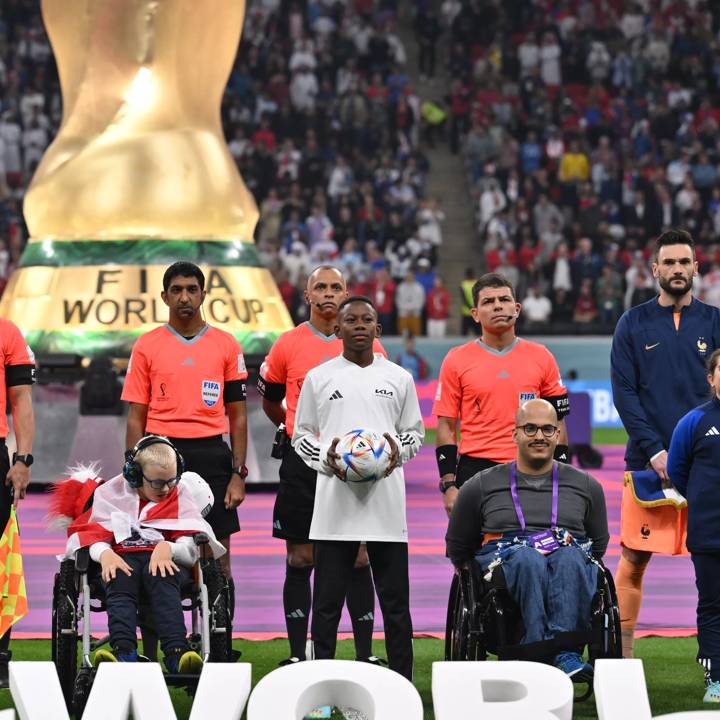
(674, 680)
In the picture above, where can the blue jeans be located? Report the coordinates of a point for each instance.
(554, 592)
(164, 596)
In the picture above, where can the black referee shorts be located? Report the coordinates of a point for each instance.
(295, 499)
(468, 466)
(6, 497)
(212, 459)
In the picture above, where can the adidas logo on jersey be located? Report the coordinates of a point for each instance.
(503, 374)
(712, 431)
(336, 396)
(188, 361)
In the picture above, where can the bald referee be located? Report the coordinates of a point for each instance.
(185, 380)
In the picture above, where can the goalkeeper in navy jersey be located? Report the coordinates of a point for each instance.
(359, 390)
(693, 462)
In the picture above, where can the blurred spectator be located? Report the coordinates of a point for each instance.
(411, 360)
(425, 275)
(438, 309)
(536, 308)
(563, 310)
(711, 285)
(550, 54)
(585, 307)
(637, 277)
(609, 293)
(410, 302)
(427, 32)
(382, 293)
(643, 288)
(468, 326)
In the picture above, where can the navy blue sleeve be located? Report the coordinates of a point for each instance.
(680, 455)
(624, 375)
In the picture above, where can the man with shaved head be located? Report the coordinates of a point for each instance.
(543, 524)
(281, 377)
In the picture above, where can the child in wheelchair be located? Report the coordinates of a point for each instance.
(140, 530)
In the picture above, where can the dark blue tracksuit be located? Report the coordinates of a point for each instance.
(658, 373)
(694, 468)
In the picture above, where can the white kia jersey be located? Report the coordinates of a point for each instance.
(340, 396)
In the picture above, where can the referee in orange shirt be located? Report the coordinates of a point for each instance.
(483, 382)
(182, 380)
(17, 374)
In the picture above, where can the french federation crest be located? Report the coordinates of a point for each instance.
(210, 392)
(701, 346)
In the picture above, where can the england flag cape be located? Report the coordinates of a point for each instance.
(116, 516)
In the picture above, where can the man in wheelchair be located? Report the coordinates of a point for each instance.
(140, 530)
(543, 526)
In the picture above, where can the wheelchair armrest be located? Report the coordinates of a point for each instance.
(200, 538)
(82, 559)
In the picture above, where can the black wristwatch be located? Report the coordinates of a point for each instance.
(240, 470)
(24, 459)
(445, 485)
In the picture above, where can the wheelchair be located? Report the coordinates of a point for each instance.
(483, 619)
(78, 593)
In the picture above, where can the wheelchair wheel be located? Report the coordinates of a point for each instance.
(457, 627)
(614, 636)
(220, 622)
(81, 691)
(64, 628)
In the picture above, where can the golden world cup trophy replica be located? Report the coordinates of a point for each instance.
(138, 177)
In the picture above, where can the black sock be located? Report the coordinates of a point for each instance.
(297, 601)
(361, 606)
(5, 640)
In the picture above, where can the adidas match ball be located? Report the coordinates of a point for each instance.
(364, 455)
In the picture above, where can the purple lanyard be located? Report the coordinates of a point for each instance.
(516, 499)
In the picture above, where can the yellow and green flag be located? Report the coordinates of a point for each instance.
(13, 603)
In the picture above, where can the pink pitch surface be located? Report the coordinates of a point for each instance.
(258, 561)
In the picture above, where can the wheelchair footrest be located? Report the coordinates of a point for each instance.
(545, 649)
(181, 679)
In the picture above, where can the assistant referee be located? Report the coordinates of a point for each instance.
(182, 380)
(17, 370)
(483, 382)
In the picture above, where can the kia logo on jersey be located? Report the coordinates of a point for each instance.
(210, 392)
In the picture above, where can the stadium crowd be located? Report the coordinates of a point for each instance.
(587, 128)
(324, 125)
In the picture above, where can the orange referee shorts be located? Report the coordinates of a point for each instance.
(660, 529)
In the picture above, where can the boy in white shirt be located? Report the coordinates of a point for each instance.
(359, 390)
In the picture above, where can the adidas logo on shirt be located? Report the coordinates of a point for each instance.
(336, 396)
(712, 431)
(188, 361)
(503, 374)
